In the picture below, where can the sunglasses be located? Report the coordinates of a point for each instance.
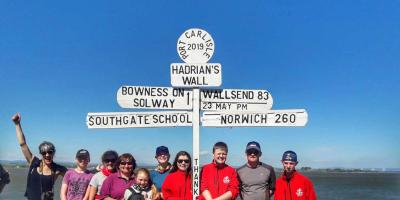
(253, 151)
(83, 159)
(47, 152)
(125, 163)
(180, 161)
(109, 160)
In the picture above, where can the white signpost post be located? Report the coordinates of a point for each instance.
(222, 107)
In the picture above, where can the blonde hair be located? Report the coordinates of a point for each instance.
(153, 188)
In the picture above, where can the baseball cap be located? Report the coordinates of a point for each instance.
(162, 150)
(82, 154)
(289, 156)
(109, 155)
(253, 145)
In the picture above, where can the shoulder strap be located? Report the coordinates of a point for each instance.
(132, 193)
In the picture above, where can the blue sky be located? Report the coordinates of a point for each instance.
(339, 60)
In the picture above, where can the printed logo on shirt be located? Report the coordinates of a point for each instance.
(226, 180)
(299, 192)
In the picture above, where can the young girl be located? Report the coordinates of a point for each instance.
(76, 181)
(143, 189)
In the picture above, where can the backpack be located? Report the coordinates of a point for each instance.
(135, 195)
(4, 176)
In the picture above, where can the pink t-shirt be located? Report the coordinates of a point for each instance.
(114, 186)
(77, 184)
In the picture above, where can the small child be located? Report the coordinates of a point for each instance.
(143, 189)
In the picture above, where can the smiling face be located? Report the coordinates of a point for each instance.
(126, 166)
(142, 179)
(162, 158)
(47, 157)
(220, 155)
(183, 163)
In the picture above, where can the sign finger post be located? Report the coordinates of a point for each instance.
(190, 95)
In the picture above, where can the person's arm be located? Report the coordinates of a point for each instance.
(240, 185)
(64, 187)
(109, 198)
(155, 192)
(92, 192)
(86, 197)
(166, 187)
(63, 191)
(226, 196)
(21, 138)
(271, 182)
(205, 193)
(93, 185)
(233, 188)
(311, 192)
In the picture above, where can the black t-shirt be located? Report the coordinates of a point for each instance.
(38, 183)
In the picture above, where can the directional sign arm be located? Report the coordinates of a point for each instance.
(289, 118)
(139, 119)
(148, 97)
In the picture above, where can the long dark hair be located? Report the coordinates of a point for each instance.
(175, 163)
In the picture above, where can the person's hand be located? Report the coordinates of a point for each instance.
(157, 196)
(16, 118)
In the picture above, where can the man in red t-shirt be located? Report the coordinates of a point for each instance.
(292, 185)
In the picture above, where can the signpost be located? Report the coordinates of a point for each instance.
(222, 107)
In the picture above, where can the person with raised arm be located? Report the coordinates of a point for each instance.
(42, 172)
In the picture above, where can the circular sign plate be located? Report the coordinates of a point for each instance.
(195, 46)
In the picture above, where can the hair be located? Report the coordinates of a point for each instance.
(46, 146)
(108, 153)
(147, 172)
(220, 145)
(123, 157)
(175, 163)
(152, 187)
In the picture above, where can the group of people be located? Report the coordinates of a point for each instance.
(118, 179)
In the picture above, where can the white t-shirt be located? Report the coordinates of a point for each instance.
(97, 181)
